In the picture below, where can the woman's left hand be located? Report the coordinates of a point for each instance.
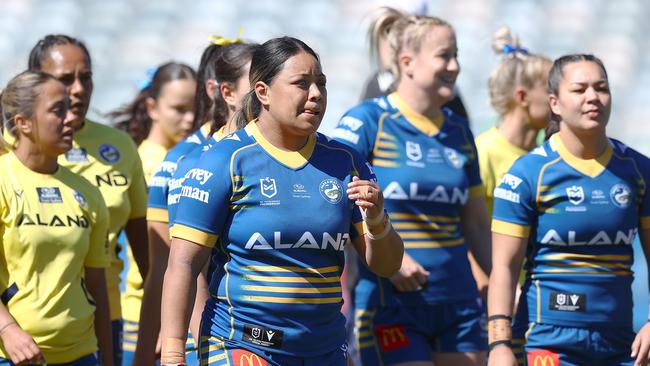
(641, 346)
(367, 195)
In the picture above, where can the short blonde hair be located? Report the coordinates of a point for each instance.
(517, 67)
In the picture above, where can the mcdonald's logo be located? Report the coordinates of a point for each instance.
(543, 358)
(391, 337)
(245, 358)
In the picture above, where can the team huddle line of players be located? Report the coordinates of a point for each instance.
(247, 227)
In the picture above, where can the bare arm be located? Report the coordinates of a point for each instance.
(145, 353)
(381, 251)
(19, 345)
(136, 232)
(96, 284)
(475, 225)
(186, 259)
(641, 344)
(507, 256)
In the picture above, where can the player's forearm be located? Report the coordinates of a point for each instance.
(480, 245)
(202, 295)
(96, 283)
(136, 232)
(384, 256)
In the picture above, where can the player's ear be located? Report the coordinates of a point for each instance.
(263, 93)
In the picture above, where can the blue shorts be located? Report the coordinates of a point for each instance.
(117, 329)
(214, 351)
(389, 335)
(554, 345)
(131, 340)
(90, 360)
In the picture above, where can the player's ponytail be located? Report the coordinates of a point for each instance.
(134, 117)
(19, 97)
(268, 60)
(518, 67)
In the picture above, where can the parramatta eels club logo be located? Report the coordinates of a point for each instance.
(331, 190)
(109, 153)
(269, 188)
(575, 194)
(620, 195)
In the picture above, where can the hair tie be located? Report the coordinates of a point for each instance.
(146, 84)
(221, 41)
(510, 49)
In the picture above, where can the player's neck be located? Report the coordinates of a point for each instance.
(584, 146)
(518, 131)
(420, 101)
(158, 137)
(279, 138)
(34, 158)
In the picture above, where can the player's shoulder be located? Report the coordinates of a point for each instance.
(108, 134)
(622, 150)
(229, 146)
(83, 191)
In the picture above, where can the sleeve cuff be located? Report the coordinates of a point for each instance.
(193, 235)
(157, 214)
(507, 228)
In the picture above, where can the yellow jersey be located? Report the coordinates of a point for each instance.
(495, 156)
(53, 225)
(152, 156)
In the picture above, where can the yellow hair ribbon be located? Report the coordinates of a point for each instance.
(221, 41)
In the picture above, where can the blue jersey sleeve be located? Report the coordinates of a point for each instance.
(514, 203)
(204, 203)
(158, 190)
(643, 164)
(358, 128)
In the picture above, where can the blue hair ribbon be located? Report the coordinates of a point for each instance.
(145, 84)
(510, 49)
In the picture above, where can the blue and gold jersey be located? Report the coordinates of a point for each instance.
(428, 170)
(283, 219)
(580, 218)
(158, 186)
(52, 226)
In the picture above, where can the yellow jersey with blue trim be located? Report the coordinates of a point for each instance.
(152, 156)
(282, 220)
(107, 157)
(428, 170)
(580, 218)
(53, 226)
(495, 156)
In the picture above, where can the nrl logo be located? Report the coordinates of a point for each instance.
(413, 151)
(575, 194)
(269, 189)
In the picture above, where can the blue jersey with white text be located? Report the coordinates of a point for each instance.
(580, 218)
(159, 185)
(283, 219)
(427, 170)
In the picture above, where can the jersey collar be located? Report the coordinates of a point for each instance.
(422, 123)
(292, 159)
(205, 129)
(588, 167)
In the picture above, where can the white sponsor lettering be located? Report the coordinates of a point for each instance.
(168, 167)
(200, 175)
(195, 193)
(307, 241)
(351, 123)
(394, 191)
(601, 238)
(158, 181)
(506, 194)
(346, 135)
(512, 180)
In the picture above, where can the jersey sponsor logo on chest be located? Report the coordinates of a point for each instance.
(394, 191)
(49, 195)
(27, 219)
(77, 155)
(307, 241)
(553, 237)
